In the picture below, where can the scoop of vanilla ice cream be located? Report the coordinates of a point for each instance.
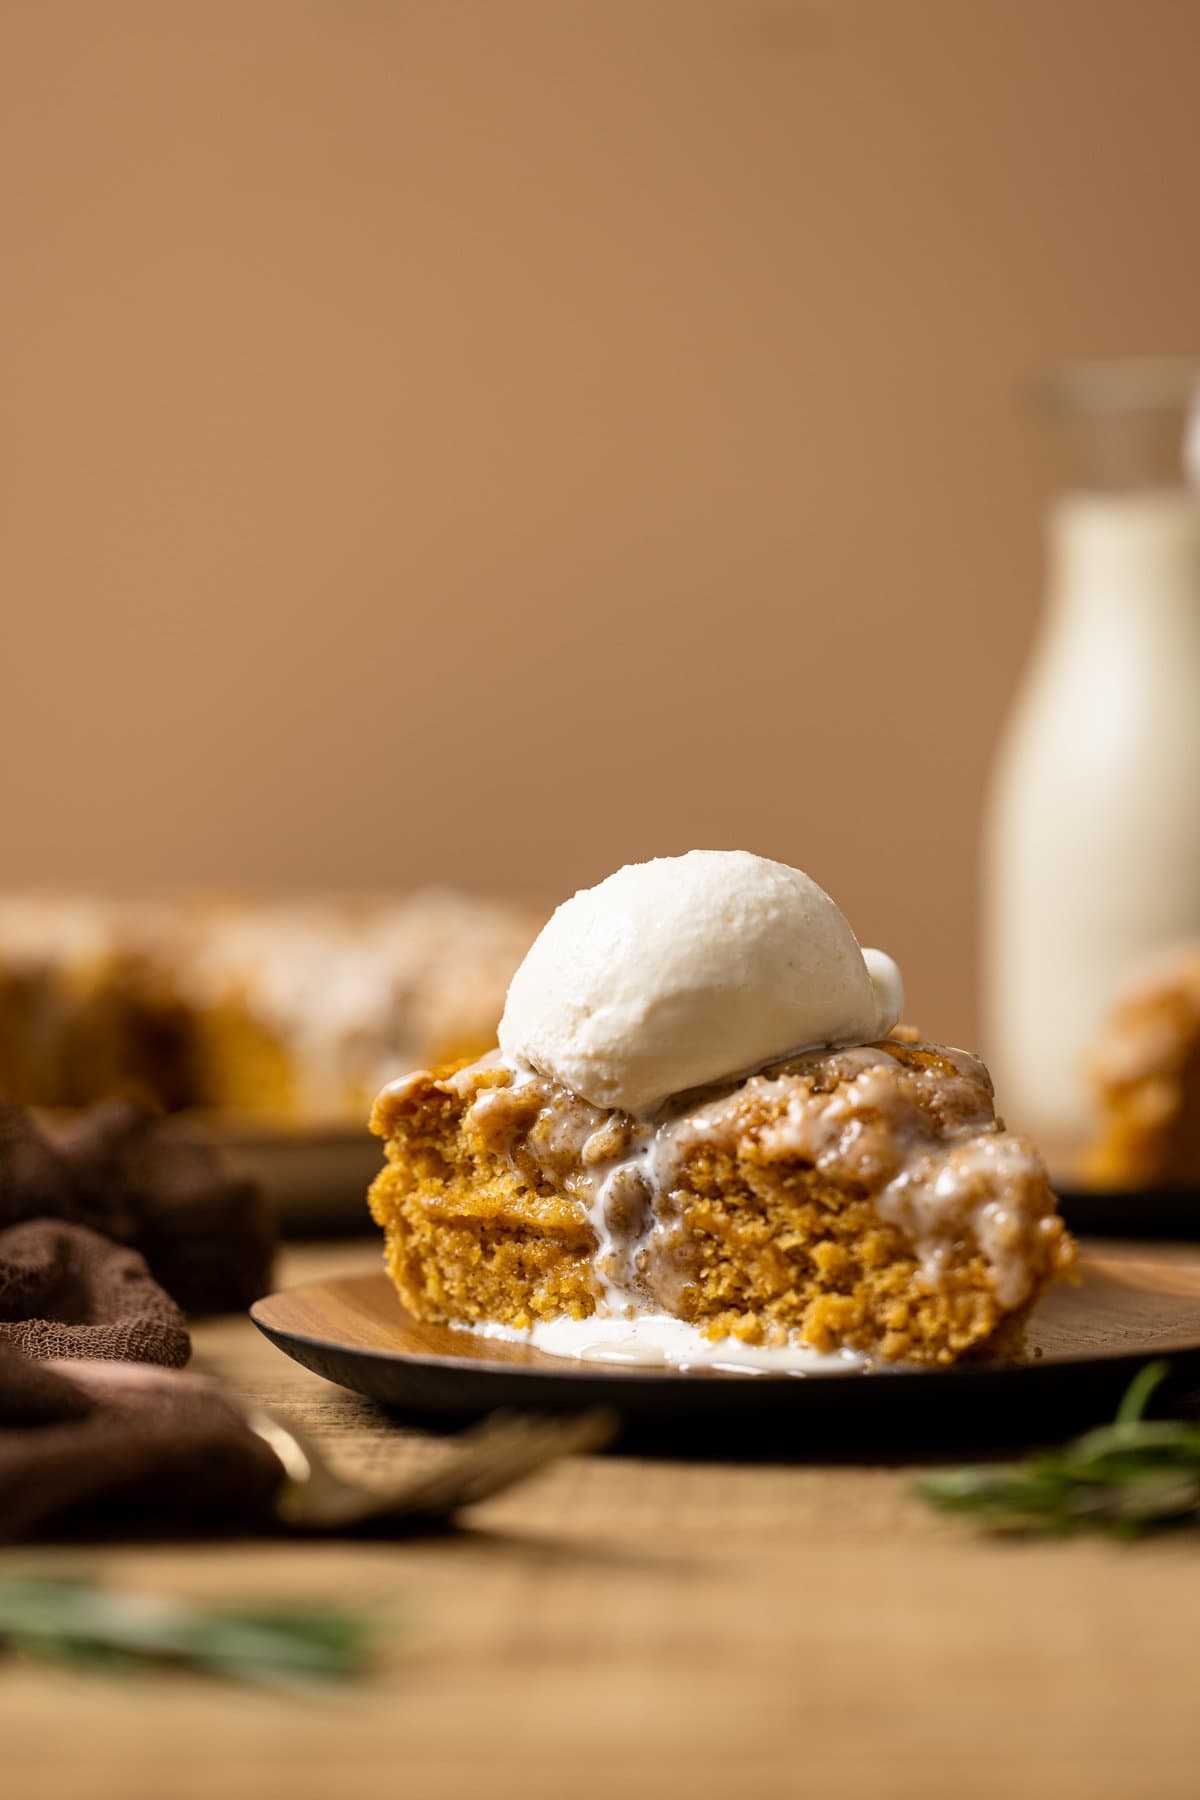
(689, 969)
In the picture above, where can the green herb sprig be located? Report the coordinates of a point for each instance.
(1127, 1478)
(115, 1632)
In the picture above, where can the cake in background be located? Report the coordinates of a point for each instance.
(291, 1012)
(699, 1143)
(1144, 1071)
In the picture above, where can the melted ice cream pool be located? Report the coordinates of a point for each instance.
(656, 1340)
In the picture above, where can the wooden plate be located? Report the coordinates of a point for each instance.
(1085, 1343)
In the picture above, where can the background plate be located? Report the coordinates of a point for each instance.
(315, 1181)
(1168, 1212)
(1085, 1343)
(1145, 1212)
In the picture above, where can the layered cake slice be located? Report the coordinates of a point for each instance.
(698, 1142)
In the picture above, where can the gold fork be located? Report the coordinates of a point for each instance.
(505, 1449)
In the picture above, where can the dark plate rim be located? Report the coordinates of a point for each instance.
(1037, 1367)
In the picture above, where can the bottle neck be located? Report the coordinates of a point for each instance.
(1129, 561)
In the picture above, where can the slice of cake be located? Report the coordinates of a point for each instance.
(64, 1021)
(697, 1137)
(283, 1011)
(296, 1010)
(1145, 1075)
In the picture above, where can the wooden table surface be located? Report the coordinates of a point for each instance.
(630, 1627)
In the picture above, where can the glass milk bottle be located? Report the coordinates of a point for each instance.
(1092, 839)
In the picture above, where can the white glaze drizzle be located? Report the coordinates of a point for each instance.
(972, 1184)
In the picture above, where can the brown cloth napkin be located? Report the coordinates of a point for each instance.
(151, 1182)
(67, 1291)
(97, 1221)
(118, 1444)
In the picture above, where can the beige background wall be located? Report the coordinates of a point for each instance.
(495, 440)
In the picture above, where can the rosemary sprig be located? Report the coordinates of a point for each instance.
(1132, 1476)
(77, 1622)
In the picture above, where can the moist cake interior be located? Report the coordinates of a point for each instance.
(864, 1199)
